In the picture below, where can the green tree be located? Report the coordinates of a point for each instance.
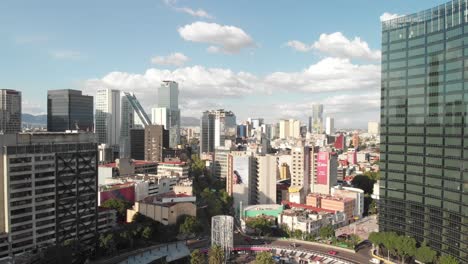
(364, 183)
(190, 225)
(354, 239)
(197, 257)
(120, 206)
(297, 234)
(215, 255)
(147, 233)
(373, 175)
(447, 259)
(405, 247)
(372, 207)
(197, 166)
(261, 225)
(107, 243)
(425, 254)
(327, 231)
(390, 240)
(264, 257)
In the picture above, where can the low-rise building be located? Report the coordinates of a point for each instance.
(309, 220)
(350, 192)
(174, 168)
(332, 203)
(107, 219)
(164, 208)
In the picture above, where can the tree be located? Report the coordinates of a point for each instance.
(107, 243)
(147, 233)
(354, 239)
(264, 257)
(405, 247)
(372, 207)
(425, 254)
(373, 175)
(120, 206)
(327, 231)
(390, 240)
(197, 257)
(215, 255)
(447, 259)
(197, 166)
(261, 225)
(190, 225)
(364, 183)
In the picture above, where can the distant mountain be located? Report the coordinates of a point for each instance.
(189, 121)
(34, 119)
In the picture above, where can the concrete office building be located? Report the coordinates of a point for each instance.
(156, 139)
(423, 190)
(267, 175)
(325, 172)
(217, 126)
(49, 190)
(69, 110)
(329, 125)
(10, 111)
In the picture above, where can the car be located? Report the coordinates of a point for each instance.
(294, 245)
(332, 252)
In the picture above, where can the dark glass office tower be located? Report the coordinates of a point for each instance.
(424, 128)
(69, 110)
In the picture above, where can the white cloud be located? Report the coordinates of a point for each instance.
(31, 39)
(204, 88)
(299, 46)
(337, 45)
(230, 39)
(213, 49)
(388, 16)
(173, 59)
(329, 74)
(196, 13)
(66, 55)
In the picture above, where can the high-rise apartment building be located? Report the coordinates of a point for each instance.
(424, 135)
(241, 180)
(69, 110)
(317, 118)
(168, 113)
(284, 129)
(156, 139)
(10, 111)
(216, 127)
(294, 128)
(49, 190)
(325, 172)
(108, 121)
(329, 125)
(302, 169)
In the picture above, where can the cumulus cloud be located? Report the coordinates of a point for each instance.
(202, 87)
(388, 16)
(66, 55)
(337, 45)
(230, 39)
(299, 46)
(173, 59)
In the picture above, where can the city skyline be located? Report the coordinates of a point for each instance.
(184, 42)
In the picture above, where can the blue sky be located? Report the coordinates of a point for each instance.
(230, 54)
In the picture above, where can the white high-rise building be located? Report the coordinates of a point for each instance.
(329, 125)
(294, 128)
(108, 119)
(168, 113)
(373, 128)
(267, 174)
(284, 129)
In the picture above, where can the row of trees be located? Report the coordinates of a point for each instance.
(216, 256)
(404, 248)
(144, 231)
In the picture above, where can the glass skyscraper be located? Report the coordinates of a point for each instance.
(168, 112)
(69, 110)
(10, 111)
(424, 128)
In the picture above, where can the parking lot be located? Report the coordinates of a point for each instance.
(362, 227)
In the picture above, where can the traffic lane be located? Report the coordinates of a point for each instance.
(360, 258)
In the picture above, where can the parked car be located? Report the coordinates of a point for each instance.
(332, 252)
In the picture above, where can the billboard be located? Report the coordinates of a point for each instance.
(322, 167)
(126, 194)
(240, 170)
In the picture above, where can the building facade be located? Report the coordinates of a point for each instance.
(69, 110)
(424, 135)
(107, 127)
(137, 143)
(217, 126)
(156, 139)
(329, 125)
(168, 113)
(317, 118)
(49, 189)
(268, 174)
(10, 111)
